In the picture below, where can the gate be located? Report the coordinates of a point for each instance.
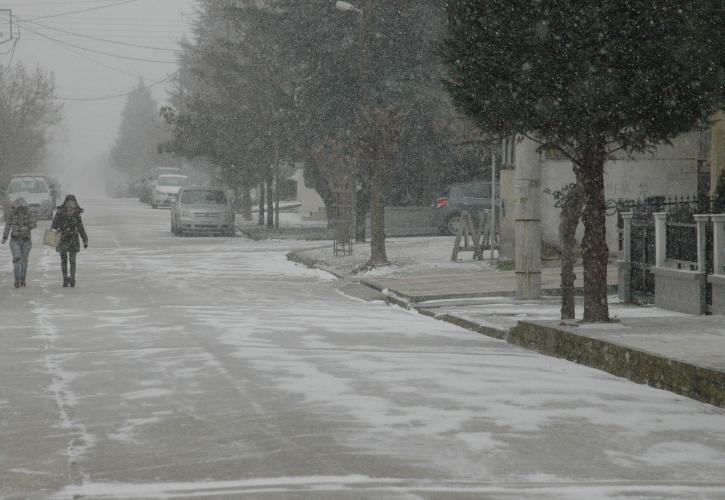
(642, 259)
(642, 256)
(681, 241)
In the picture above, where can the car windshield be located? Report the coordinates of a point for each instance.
(203, 198)
(166, 171)
(173, 181)
(29, 185)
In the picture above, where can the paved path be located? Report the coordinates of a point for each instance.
(451, 284)
(212, 367)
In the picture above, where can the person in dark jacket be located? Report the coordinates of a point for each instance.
(19, 224)
(70, 225)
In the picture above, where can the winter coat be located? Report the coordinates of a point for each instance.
(19, 224)
(70, 227)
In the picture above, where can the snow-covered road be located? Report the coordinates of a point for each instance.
(212, 367)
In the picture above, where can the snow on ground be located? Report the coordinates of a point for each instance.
(406, 256)
(215, 368)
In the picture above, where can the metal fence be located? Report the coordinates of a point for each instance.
(681, 246)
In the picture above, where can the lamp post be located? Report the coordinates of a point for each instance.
(364, 76)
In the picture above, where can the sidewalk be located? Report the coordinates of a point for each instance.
(446, 284)
(671, 351)
(679, 353)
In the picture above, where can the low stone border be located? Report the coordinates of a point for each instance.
(696, 382)
(297, 257)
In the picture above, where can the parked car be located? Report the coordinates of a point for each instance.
(36, 189)
(202, 211)
(166, 188)
(473, 197)
(159, 171)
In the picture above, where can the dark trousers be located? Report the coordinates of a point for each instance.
(64, 258)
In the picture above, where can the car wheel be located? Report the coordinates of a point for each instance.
(154, 205)
(452, 224)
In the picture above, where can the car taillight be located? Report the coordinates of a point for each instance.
(442, 202)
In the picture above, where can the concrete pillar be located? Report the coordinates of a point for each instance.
(660, 238)
(718, 242)
(701, 220)
(528, 221)
(627, 236)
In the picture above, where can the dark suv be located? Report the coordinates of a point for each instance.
(471, 196)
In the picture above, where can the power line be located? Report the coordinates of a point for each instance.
(64, 2)
(116, 96)
(109, 54)
(96, 61)
(68, 13)
(125, 44)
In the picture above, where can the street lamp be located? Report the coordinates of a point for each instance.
(347, 6)
(364, 75)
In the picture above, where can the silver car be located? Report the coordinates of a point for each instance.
(36, 190)
(202, 211)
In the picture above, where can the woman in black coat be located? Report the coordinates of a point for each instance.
(70, 225)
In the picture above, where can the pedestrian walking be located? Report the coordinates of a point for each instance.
(20, 223)
(70, 225)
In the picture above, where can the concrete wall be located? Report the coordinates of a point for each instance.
(681, 291)
(408, 221)
(312, 205)
(668, 171)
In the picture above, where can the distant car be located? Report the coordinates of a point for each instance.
(202, 211)
(159, 171)
(166, 188)
(472, 197)
(36, 189)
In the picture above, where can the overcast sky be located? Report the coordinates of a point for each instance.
(77, 47)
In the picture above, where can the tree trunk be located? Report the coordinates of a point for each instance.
(261, 204)
(595, 253)
(270, 203)
(571, 213)
(246, 202)
(378, 255)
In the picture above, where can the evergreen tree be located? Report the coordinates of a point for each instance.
(587, 79)
(140, 134)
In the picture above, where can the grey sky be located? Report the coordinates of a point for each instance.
(90, 126)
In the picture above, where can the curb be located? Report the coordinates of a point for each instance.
(702, 384)
(696, 382)
(297, 257)
(416, 299)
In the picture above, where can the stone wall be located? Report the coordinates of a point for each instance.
(680, 291)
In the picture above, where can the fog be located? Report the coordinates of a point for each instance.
(85, 78)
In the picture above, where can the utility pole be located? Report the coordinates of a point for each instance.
(528, 221)
(363, 165)
(493, 198)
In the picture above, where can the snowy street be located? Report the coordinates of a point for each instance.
(213, 367)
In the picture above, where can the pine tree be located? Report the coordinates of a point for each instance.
(587, 79)
(140, 134)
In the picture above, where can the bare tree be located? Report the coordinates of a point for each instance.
(28, 110)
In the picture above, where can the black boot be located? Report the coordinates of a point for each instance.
(72, 278)
(64, 269)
